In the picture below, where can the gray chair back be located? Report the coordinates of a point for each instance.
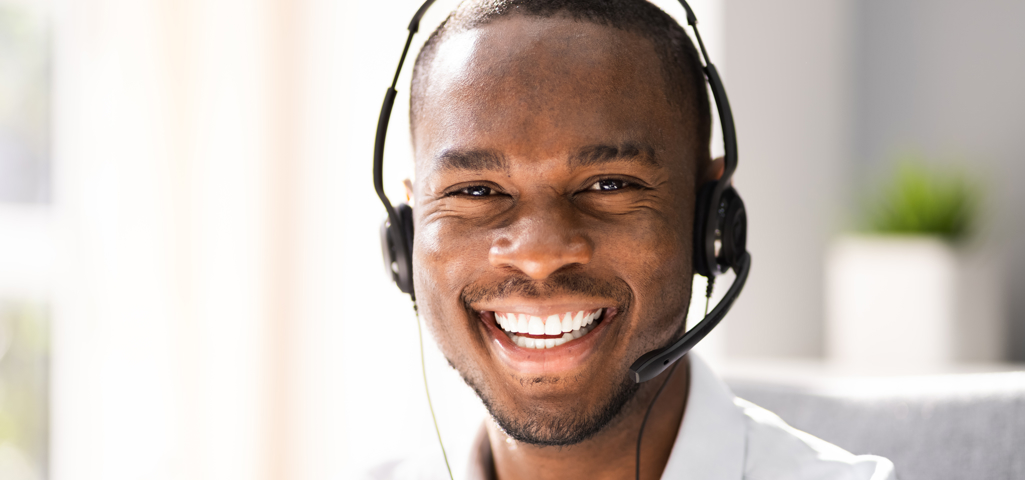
(952, 427)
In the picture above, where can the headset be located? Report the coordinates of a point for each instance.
(720, 223)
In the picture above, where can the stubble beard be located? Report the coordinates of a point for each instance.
(543, 427)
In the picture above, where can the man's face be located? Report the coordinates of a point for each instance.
(553, 178)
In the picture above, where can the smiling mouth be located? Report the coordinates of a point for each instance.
(529, 331)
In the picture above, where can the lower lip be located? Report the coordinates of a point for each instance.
(532, 361)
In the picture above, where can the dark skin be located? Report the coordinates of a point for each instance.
(504, 191)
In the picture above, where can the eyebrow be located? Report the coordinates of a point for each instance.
(600, 154)
(484, 160)
(475, 160)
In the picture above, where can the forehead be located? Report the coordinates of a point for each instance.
(537, 87)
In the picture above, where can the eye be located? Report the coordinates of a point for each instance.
(609, 185)
(475, 191)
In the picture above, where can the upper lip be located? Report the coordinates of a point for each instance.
(541, 308)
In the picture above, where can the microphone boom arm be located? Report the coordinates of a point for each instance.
(653, 363)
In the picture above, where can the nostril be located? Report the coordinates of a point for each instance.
(540, 257)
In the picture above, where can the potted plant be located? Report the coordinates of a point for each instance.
(904, 294)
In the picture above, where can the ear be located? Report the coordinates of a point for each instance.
(409, 190)
(712, 171)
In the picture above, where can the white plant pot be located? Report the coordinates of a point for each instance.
(909, 303)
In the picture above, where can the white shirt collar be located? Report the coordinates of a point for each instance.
(710, 444)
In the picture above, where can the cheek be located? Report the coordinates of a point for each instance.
(444, 258)
(444, 262)
(654, 242)
(654, 258)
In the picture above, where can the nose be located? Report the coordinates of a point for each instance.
(541, 241)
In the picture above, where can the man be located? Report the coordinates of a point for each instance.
(559, 147)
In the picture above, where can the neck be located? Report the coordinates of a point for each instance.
(612, 453)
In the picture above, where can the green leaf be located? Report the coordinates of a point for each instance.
(919, 200)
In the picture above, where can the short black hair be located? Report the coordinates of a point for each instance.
(681, 65)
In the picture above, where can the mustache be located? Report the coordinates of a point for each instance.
(559, 283)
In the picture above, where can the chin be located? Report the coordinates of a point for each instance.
(560, 421)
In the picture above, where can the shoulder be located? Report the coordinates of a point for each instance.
(776, 450)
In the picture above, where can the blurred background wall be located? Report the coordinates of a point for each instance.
(189, 253)
(827, 96)
(933, 77)
(789, 84)
(176, 163)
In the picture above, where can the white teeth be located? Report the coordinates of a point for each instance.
(567, 322)
(552, 325)
(570, 325)
(536, 326)
(542, 343)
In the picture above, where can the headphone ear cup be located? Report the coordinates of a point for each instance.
(704, 245)
(397, 248)
(733, 229)
(406, 214)
(719, 244)
(387, 249)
